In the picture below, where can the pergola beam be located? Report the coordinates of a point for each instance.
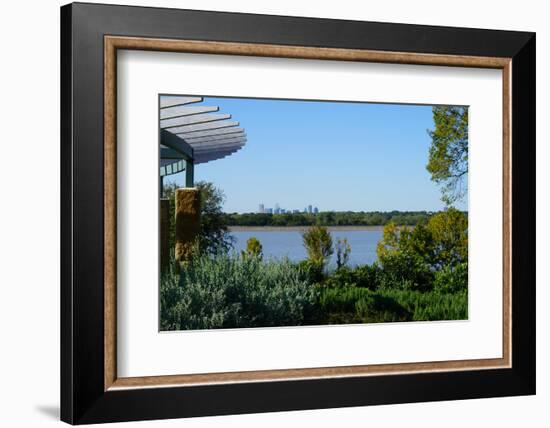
(188, 136)
(213, 149)
(211, 158)
(217, 153)
(204, 126)
(180, 111)
(207, 139)
(177, 122)
(208, 146)
(167, 153)
(167, 101)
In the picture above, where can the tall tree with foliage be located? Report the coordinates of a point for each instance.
(318, 243)
(343, 250)
(448, 155)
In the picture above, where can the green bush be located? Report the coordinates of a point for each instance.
(253, 248)
(359, 305)
(312, 272)
(452, 279)
(369, 276)
(343, 277)
(406, 271)
(364, 276)
(228, 291)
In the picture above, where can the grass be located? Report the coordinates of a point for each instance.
(361, 305)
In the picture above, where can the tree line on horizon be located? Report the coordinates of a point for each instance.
(330, 218)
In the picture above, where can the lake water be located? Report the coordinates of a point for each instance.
(280, 243)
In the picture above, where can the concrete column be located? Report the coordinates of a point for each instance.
(164, 234)
(188, 208)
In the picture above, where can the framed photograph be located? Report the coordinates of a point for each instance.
(266, 213)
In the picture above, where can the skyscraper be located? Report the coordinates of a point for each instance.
(261, 209)
(309, 209)
(315, 210)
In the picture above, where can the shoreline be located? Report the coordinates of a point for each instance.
(300, 228)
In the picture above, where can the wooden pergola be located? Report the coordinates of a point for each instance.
(193, 134)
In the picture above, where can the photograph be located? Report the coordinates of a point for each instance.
(293, 212)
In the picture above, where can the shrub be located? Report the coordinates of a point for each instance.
(365, 276)
(406, 271)
(312, 272)
(452, 279)
(369, 276)
(253, 248)
(343, 277)
(359, 305)
(380, 308)
(228, 291)
(318, 243)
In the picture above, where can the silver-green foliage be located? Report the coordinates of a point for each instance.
(229, 291)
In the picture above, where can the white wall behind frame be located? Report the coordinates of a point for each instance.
(30, 273)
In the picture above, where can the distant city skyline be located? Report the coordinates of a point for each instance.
(344, 156)
(262, 209)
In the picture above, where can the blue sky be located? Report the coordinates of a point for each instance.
(334, 155)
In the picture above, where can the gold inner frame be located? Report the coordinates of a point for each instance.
(113, 43)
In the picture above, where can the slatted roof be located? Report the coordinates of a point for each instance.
(195, 133)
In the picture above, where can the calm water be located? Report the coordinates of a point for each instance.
(280, 243)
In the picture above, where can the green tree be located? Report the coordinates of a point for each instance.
(405, 254)
(214, 235)
(448, 154)
(412, 256)
(343, 250)
(449, 235)
(318, 243)
(253, 248)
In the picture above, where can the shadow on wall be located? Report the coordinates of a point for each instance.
(49, 410)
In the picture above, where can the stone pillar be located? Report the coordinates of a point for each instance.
(164, 234)
(188, 208)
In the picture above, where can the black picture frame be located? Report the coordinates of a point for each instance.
(83, 398)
